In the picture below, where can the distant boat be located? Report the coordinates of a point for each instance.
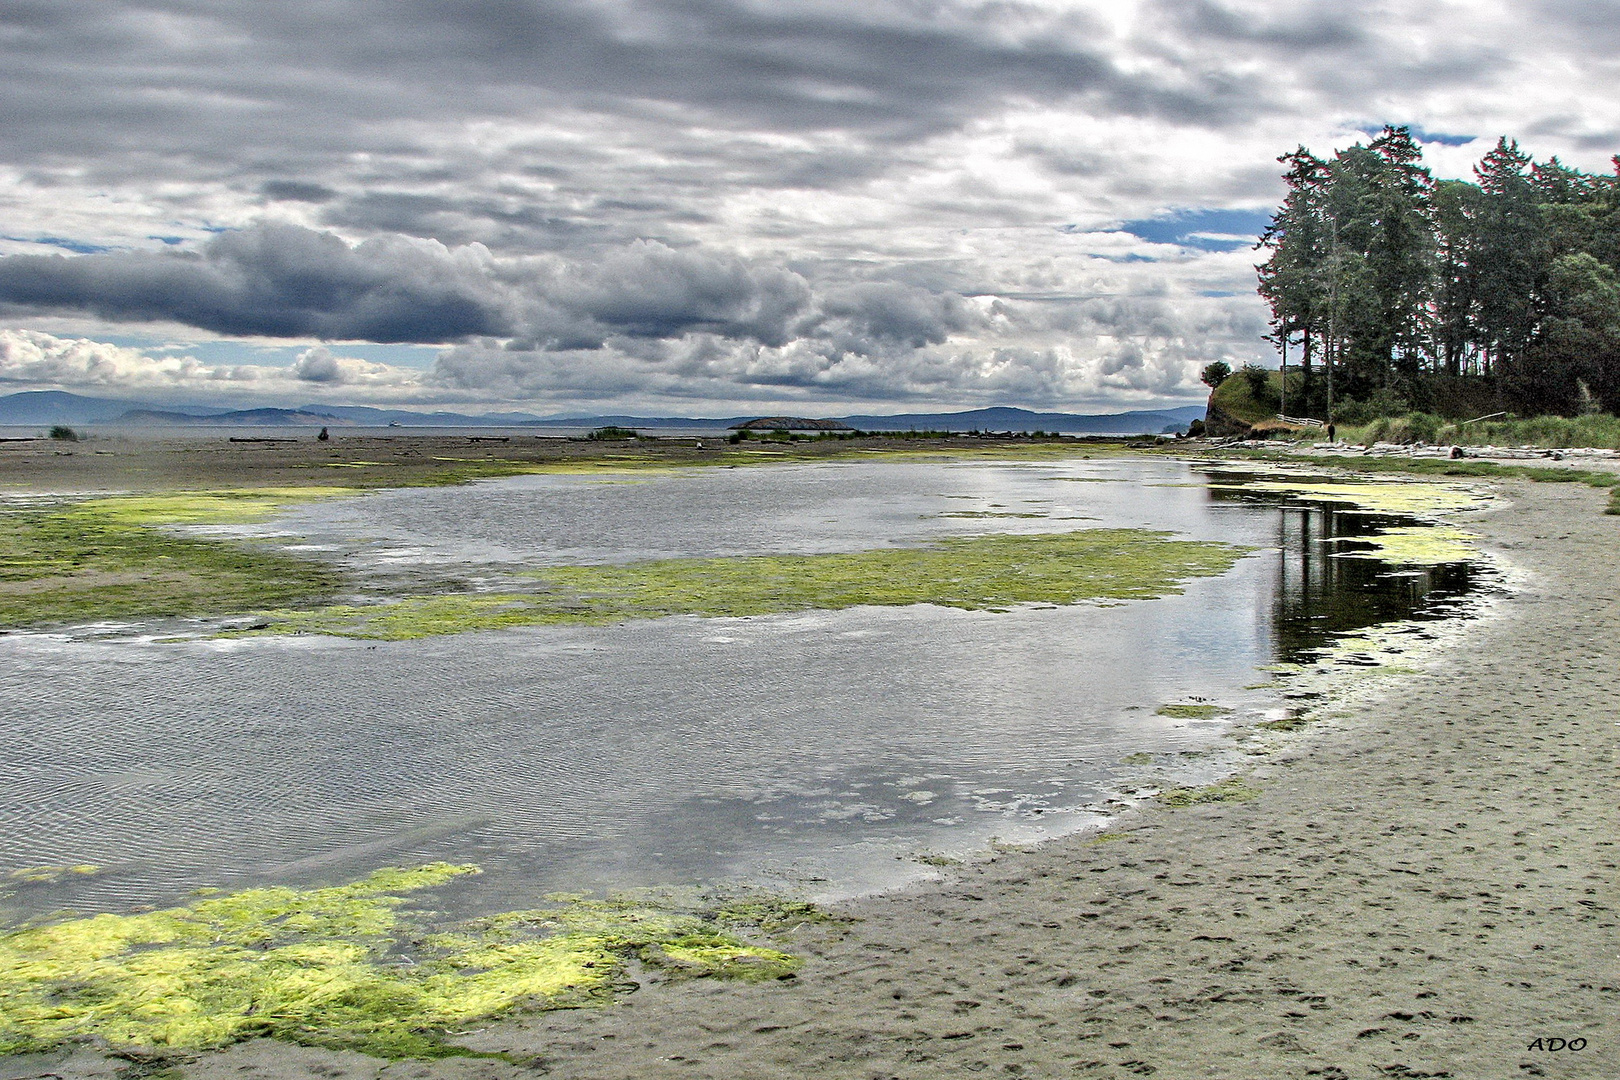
(393, 423)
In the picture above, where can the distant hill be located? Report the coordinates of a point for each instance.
(1151, 421)
(43, 407)
(60, 407)
(243, 417)
(792, 423)
(1145, 421)
(366, 414)
(620, 420)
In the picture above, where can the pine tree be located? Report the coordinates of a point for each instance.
(1291, 280)
(1512, 259)
(1405, 288)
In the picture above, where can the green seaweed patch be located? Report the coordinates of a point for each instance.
(107, 559)
(345, 967)
(1190, 712)
(1417, 545)
(36, 875)
(989, 514)
(1231, 790)
(1295, 722)
(994, 573)
(771, 914)
(1413, 497)
(245, 506)
(933, 859)
(1139, 758)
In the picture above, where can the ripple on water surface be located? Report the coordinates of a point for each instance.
(820, 751)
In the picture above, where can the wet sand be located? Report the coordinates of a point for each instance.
(1425, 886)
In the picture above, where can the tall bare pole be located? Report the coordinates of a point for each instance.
(1333, 314)
(1285, 368)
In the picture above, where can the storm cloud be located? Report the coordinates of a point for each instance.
(279, 280)
(632, 201)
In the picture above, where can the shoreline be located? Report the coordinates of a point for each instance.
(1424, 887)
(1316, 930)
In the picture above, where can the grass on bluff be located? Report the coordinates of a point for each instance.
(1595, 430)
(104, 559)
(993, 573)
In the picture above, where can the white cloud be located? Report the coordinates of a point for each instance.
(809, 193)
(30, 360)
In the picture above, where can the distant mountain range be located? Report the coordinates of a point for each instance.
(1007, 419)
(46, 407)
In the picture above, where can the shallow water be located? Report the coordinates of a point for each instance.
(820, 752)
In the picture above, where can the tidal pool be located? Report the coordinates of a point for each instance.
(823, 753)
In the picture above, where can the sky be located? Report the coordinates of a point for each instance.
(710, 207)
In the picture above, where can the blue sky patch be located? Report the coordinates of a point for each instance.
(78, 247)
(1423, 135)
(1204, 230)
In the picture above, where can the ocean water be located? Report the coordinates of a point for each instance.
(826, 753)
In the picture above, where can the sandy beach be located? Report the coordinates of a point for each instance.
(1425, 887)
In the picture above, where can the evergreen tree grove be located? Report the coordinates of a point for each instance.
(1395, 291)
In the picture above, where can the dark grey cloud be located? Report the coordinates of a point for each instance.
(505, 224)
(1589, 25)
(652, 291)
(1315, 26)
(225, 81)
(297, 191)
(277, 94)
(288, 281)
(274, 280)
(811, 196)
(860, 317)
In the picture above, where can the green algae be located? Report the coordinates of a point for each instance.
(1424, 544)
(1231, 790)
(1296, 722)
(243, 506)
(1415, 497)
(108, 558)
(995, 572)
(772, 914)
(1420, 545)
(345, 967)
(47, 874)
(1189, 712)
